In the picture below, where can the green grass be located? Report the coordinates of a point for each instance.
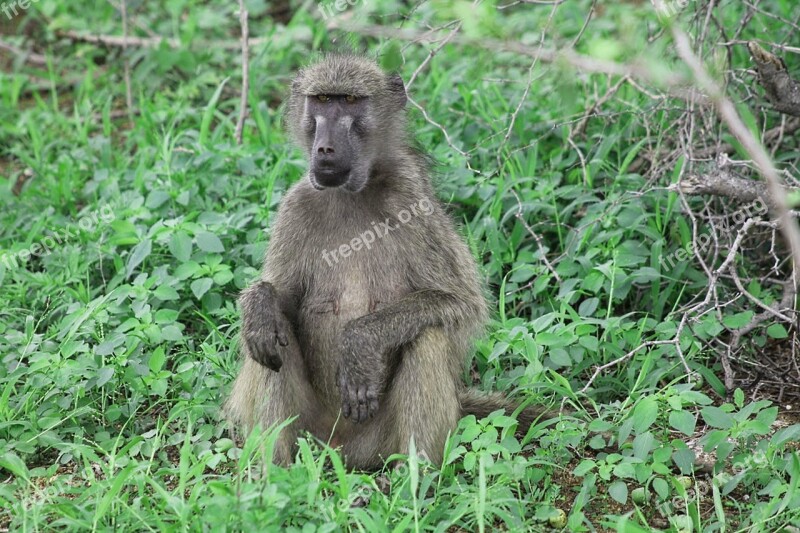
(117, 345)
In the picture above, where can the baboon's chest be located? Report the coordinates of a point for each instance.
(356, 276)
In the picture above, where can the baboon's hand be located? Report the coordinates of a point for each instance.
(265, 329)
(361, 373)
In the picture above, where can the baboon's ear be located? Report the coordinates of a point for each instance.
(398, 90)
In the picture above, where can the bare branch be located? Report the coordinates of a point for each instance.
(153, 42)
(245, 70)
(126, 61)
(581, 62)
(28, 56)
(781, 89)
(754, 148)
(721, 181)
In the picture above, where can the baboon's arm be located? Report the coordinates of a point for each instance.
(265, 327)
(270, 306)
(367, 341)
(404, 320)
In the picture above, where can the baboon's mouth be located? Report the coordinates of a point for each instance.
(331, 177)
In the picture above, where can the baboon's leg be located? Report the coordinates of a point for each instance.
(424, 397)
(421, 402)
(262, 396)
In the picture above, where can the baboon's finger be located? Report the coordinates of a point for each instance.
(280, 333)
(363, 408)
(344, 390)
(282, 339)
(372, 401)
(264, 354)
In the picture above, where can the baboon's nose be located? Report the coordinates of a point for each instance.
(325, 150)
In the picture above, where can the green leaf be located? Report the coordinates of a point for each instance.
(645, 414)
(188, 270)
(716, 417)
(643, 444)
(391, 57)
(619, 491)
(625, 430)
(137, 255)
(11, 462)
(547, 338)
(589, 342)
(588, 307)
(156, 199)
(165, 293)
(200, 287)
(171, 333)
(208, 114)
(684, 459)
(683, 421)
(661, 487)
(782, 436)
(560, 357)
(208, 242)
(104, 375)
(180, 245)
(584, 467)
(738, 398)
(777, 331)
(157, 359)
(222, 277)
(597, 442)
(768, 416)
(119, 480)
(662, 455)
(738, 320)
(166, 316)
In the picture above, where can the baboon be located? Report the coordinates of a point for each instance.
(369, 301)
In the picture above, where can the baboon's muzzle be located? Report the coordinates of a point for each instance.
(331, 155)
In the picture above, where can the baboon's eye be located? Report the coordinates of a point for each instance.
(350, 98)
(323, 97)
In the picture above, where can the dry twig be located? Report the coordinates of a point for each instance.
(245, 70)
(781, 89)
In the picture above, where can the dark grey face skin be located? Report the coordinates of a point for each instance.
(336, 126)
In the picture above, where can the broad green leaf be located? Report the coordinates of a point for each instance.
(645, 414)
(684, 459)
(11, 462)
(104, 375)
(171, 333)
(619, 491)
(208, 242)
(157, 359)
(777, 331)
(180, 245)
(716, 417)
(165, 293)
(683, 421)
(137, 255)
(200, 287)
(661, 487)
(643, 444)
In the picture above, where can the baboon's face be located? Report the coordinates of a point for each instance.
(348, 116)
(337, 128)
